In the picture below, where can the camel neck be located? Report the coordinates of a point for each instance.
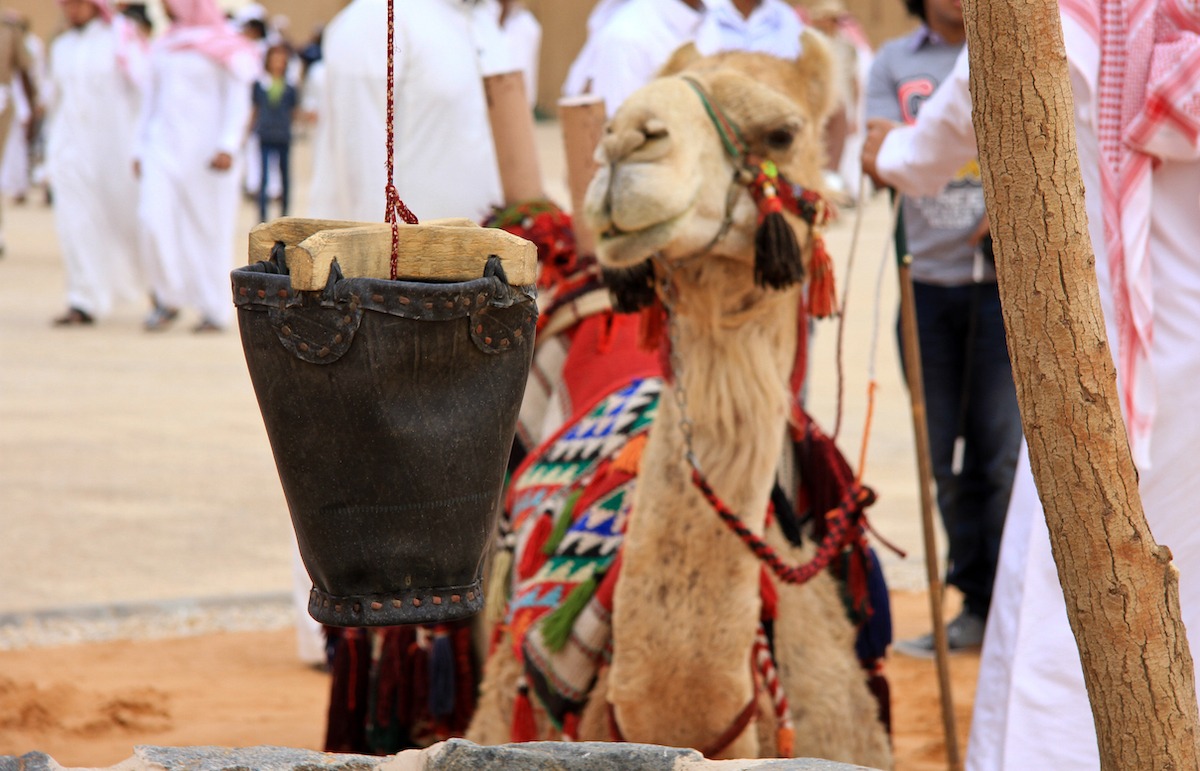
(688, 598)
(735, 361)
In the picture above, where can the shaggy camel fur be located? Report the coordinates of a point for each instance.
(687, 605)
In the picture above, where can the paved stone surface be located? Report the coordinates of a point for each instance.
(454, 755)
(33, 761)
(136, 470)
(250, 759)
(458, 755)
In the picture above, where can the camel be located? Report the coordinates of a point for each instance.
(685, 612)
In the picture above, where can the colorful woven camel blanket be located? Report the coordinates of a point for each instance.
(568, 506)
(567, 509)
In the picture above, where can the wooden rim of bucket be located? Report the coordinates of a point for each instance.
(439, 250)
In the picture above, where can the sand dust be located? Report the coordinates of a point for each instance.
(89, 705)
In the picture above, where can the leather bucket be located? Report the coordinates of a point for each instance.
(390, 406)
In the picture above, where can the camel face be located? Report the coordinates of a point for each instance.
(667, 185)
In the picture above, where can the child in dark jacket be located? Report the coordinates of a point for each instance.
(275, 103)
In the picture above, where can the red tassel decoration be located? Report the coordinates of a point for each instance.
(785, 741)
(533, 557)
(524, 727)
(822, 294)
(652, 326)
(570, 728)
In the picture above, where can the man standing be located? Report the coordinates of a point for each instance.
(98, 71)
(15, 62)
(766, 26)
(445, 164)
(1137, 126)
(972, 417)
(631, 46)
(192, 129)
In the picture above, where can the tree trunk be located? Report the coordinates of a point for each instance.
(1121, 590)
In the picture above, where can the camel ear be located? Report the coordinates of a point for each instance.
(685, 56)
(816, 66)
(632, 288)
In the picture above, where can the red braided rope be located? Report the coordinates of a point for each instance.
(394, 205)
(839, 533)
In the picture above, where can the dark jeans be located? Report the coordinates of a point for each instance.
(974, 502)
(282, 151)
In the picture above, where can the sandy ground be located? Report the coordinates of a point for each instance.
(134, 471)
(89, 705)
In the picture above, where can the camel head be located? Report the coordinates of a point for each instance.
(679, 160)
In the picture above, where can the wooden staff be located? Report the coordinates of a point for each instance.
(583, 120)
(513, 136)
(916, 394)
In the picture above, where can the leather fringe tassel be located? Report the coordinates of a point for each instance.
(442, 690)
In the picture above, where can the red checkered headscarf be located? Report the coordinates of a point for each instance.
(1148, 109)
(199, 25)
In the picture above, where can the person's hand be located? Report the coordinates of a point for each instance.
(37, 115)
(877, 131)
(982, 229)
(222, 161)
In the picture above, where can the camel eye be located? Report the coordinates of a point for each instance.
(780, 138)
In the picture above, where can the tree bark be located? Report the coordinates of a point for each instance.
(1121, 590)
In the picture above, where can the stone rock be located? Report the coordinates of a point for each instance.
(453, 755)
(461, 755)
(249, 759)
(31, 761)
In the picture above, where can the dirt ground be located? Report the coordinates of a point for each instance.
(89, 705)
(135, 470)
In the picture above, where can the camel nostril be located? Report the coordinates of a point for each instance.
(654, 129)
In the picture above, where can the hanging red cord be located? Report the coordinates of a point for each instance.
(396, 210)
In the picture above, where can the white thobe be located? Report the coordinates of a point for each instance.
(445, 163)
(627, 52)
(772, 28)
(89, 156)
(1031, 707)
(194, 109)
(14, 162)
(524, 36)
(578, 77)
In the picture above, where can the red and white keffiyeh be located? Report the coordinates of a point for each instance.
(1148, 110)
(199, 25)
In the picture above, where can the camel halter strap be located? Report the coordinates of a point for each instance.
(774, 194)
(843, 525)
(396, 210)
(731, 136)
